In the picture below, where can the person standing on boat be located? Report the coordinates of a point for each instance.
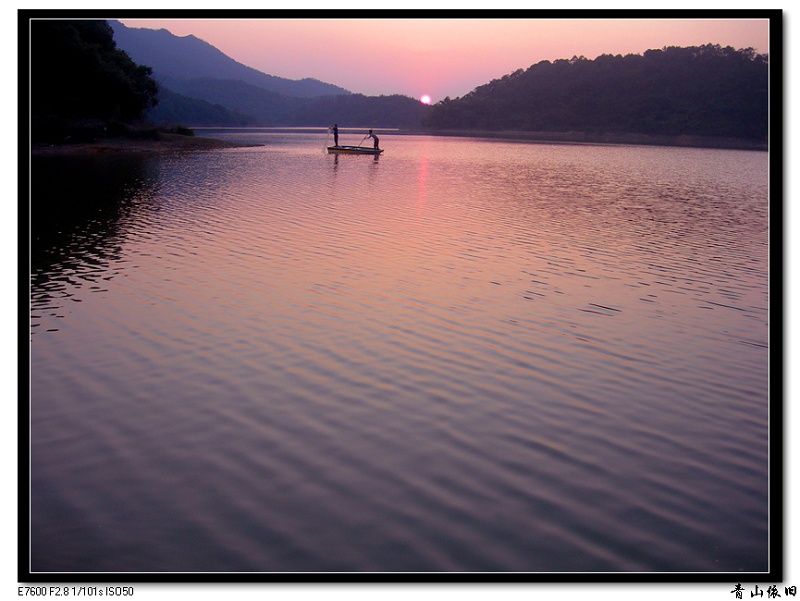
(335, 130)
(371, 135)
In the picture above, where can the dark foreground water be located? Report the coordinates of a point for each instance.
(464, 355)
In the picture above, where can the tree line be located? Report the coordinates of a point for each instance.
(83, 87)
(203, 101)
(703, 91)
(81, 83)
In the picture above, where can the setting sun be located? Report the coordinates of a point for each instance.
(425, 99)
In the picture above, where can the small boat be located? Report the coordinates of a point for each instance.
(353, 150)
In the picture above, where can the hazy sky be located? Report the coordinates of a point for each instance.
(441, 57)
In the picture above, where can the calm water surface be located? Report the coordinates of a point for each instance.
(464, 355)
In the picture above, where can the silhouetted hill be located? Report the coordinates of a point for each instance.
(199, 85)
(82, 84)
(173, 58)
(263, 107)
(696, 91)
(234, 102)
(706, 91)
(358, 110)
(176, 109)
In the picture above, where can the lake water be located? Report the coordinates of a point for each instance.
(462, 356)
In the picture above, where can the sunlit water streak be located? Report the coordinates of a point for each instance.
(465, 355)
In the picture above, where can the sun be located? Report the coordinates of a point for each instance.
(425, 99)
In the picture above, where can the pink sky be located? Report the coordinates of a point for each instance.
(442, 57)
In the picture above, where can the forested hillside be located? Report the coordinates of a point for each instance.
(358, 110)
(236, 103)
(80, 80)
(702, 91)
(175, 109)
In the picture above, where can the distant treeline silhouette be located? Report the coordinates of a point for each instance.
(701, 91)
(81, 82)
(83, 85)
(223, 102)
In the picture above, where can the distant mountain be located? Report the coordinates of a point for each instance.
(358, 110)
(267, 108)
(199, 85)
(175, 58)
(264, 107)
(176, 109)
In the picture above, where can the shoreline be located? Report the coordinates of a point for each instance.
(164, 143)
(181, 143)
(682, 141)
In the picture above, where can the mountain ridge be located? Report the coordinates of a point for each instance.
(200, 85)
(709, 91)
(188, 57)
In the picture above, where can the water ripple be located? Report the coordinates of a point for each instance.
(540, 358)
